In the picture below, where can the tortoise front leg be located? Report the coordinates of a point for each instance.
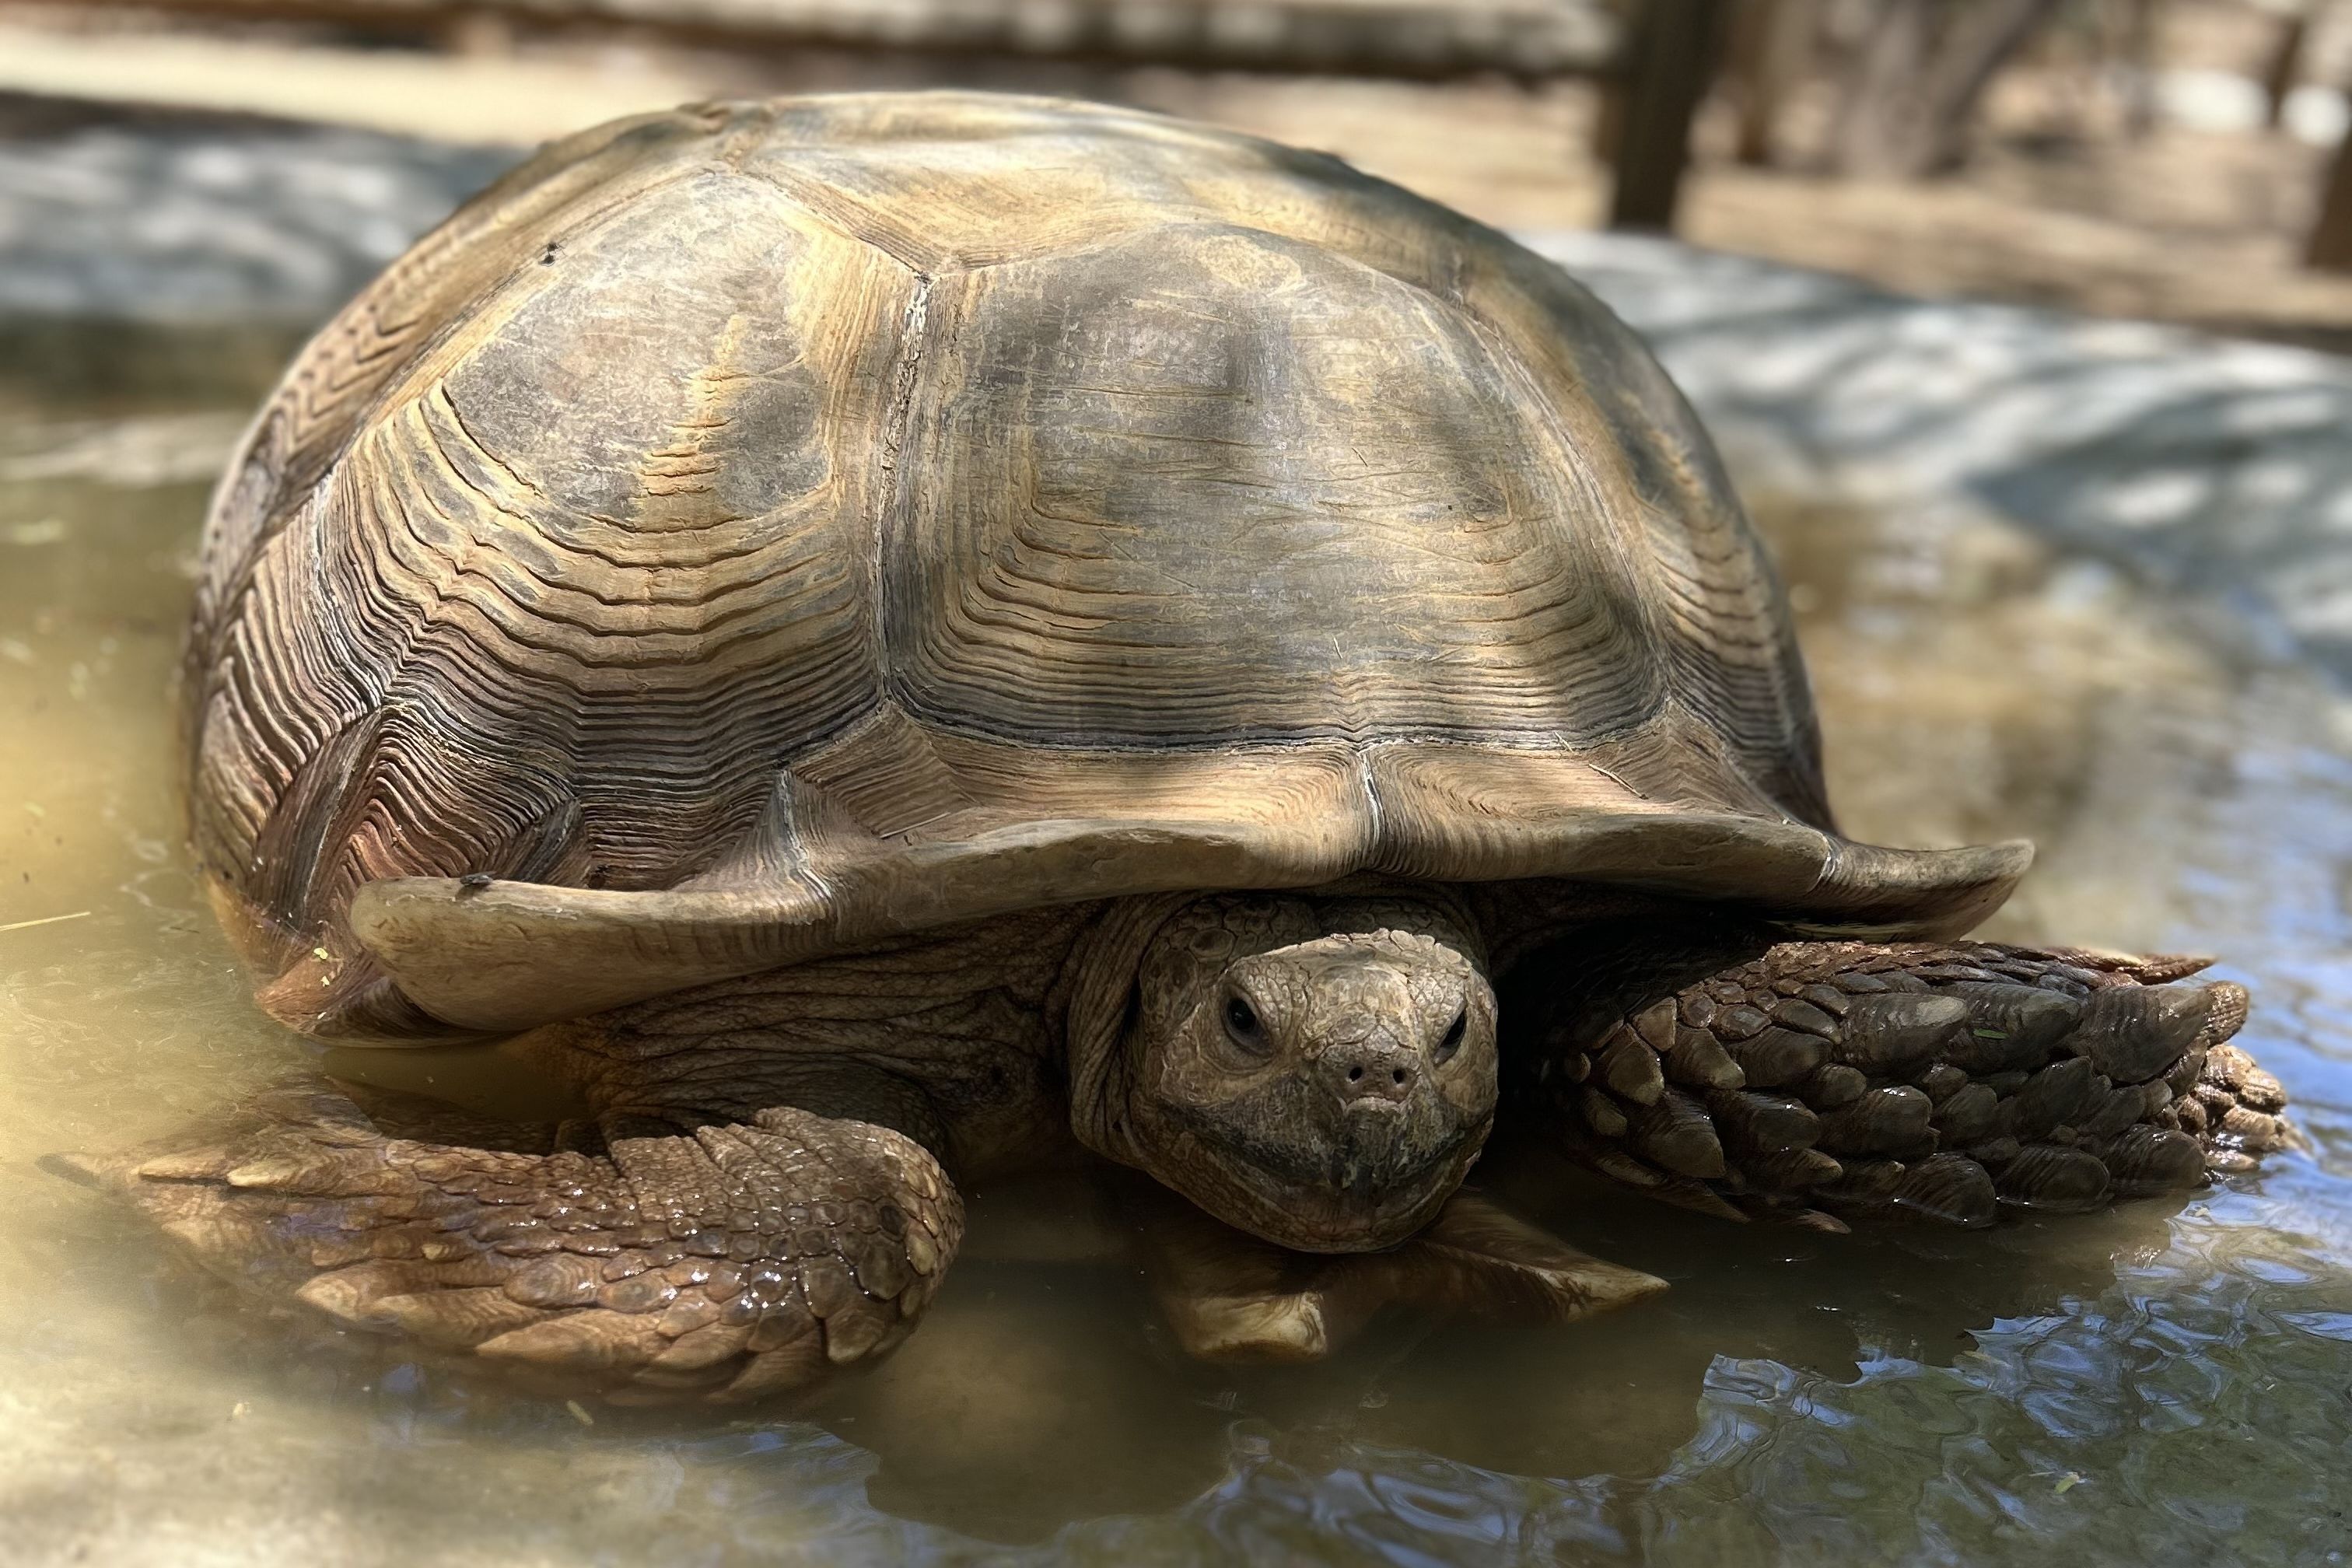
(1940, 1079)
(732, 1262)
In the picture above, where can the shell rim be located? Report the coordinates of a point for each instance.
(512, 955)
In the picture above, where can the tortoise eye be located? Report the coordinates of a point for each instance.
(1452, 1043)
(1244, 1024)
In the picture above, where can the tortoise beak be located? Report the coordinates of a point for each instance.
(1304, 1171)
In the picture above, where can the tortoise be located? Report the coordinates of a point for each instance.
(890, 639)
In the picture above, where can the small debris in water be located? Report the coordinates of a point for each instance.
(239, 1410)
(43, 920)
(579, 1413)
(48, 531)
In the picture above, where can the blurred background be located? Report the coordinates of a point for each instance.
(2167, 159)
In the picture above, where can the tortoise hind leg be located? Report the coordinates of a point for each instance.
(733, 1261)
(1944, 1079)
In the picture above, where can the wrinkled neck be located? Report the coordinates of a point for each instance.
(1096, 1001)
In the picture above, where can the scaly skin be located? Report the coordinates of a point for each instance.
(1941, 1080)
(768, 1195)
(742, 1259)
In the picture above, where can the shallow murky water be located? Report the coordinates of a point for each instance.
(2169, 1383)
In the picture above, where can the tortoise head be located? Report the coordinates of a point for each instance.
(1318, 1071)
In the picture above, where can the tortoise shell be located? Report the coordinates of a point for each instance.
(755, 530)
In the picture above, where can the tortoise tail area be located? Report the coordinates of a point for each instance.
(1946, 1080)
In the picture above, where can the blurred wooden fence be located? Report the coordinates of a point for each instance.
(1655, 56)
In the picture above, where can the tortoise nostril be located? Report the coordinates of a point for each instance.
(1375, 1076)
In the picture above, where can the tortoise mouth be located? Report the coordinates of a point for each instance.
(1368, 1183)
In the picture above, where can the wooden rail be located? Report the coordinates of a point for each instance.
(1655, 55)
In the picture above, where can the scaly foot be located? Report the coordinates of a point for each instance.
(733, 1262)
(1944, 1079)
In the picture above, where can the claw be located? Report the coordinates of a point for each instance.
(282, 1173)
(193, 1165)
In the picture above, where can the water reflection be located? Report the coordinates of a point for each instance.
(2163, 1382)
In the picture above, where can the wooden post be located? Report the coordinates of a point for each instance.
(1771, 50)
(2330, 248)
(2138, 48)
(1923, 71)
(1673, 54)
(2284, 64)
